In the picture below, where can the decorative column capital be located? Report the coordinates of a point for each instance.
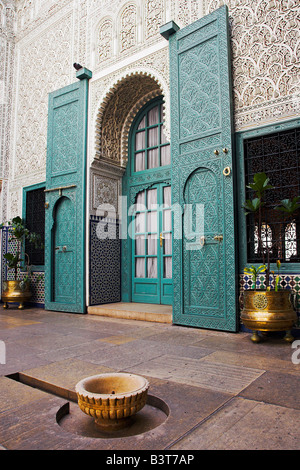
(84, 73)
(169, 28)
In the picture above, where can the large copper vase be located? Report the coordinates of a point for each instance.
(16, 291)
(268, 311)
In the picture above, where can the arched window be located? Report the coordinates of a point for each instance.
(266, 238)
(290, 241)
(150, 146)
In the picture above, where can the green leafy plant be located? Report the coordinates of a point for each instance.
(252, 205)
(19, 233)
(277, 279)
(253, 271)
(260, 184)
(288, 208)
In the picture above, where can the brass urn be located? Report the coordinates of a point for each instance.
(16, 291)
(268, 311)
(112, 398)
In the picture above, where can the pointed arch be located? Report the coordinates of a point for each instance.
(118, 107)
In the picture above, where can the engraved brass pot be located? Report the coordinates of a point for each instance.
(16, 291)
(268, 311)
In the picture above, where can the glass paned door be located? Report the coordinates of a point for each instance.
(152, 246)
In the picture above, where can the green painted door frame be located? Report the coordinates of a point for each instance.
(241, 188)
(65, 227)
(204, 256)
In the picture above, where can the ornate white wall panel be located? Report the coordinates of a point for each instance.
(104, 42)
(7, 19)
(44, 57)
(266, 63)
(105, 189)
(128, 26)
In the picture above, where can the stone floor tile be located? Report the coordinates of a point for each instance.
(269, 347)
(51, 341)
(118, 339)
(67, 373)
(219, 377)
(14, 394)
(243, 424)
(7, 322)
(276, 388)
(253, 361)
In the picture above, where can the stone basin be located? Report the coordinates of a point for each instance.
(112, 398)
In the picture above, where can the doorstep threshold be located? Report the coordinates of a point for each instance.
(133, 311)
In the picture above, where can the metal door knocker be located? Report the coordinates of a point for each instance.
(226, 171)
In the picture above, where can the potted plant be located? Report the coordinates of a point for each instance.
(267, 309)
(18, 289)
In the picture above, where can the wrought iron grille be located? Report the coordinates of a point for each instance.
(278, 155)
(35, 222)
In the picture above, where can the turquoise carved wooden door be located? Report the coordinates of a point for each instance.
(204, 276)
(65, 197)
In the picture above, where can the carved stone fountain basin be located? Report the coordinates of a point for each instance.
(112, 398)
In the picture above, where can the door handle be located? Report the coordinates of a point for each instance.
(63, 248)
(202, 241)
(218, 238)
(161, 238)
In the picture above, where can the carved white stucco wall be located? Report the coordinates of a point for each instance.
(265, 56)
(116, 38)
(7, 44)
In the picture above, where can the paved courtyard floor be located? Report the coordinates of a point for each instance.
(208, 390)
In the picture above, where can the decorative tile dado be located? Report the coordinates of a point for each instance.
(37, 278)
(287, 281)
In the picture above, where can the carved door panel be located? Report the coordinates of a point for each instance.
(64, 251)
(203, 251)
(65, 198)
(202, 173)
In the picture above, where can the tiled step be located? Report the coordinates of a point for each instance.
(134, 311)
